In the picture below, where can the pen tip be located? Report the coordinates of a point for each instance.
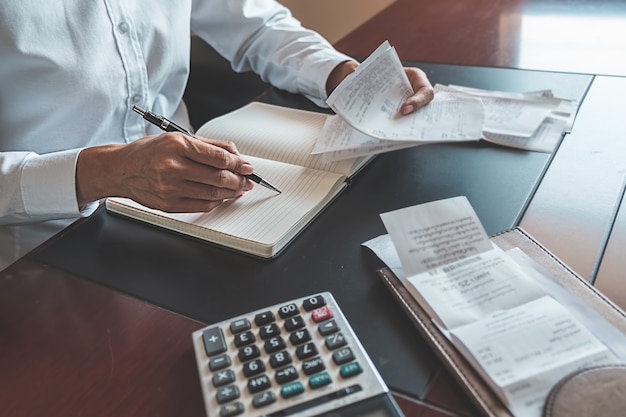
(139, 110)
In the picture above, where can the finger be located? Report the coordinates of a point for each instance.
(423, 91)
(198, 191)
(223, 178)
(227, 145)
(190, 197)
(418, 100)
(212, 146)
(218, 154)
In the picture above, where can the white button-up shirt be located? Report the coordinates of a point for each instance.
(71, 71)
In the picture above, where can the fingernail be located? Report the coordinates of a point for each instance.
(246, 168)
(407, 109)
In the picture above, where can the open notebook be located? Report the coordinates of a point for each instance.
(278, 142)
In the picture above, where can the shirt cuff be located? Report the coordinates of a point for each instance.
(313, 74)
(49, 185)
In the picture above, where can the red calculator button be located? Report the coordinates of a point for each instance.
(321, 314)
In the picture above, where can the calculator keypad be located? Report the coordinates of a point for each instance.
(298, 356)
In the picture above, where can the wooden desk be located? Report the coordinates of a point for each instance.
(586, 36)
(69, 347)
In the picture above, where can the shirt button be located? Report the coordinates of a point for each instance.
(136, 98)
(123, 27)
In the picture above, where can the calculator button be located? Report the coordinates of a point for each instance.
(222, 378)
(321, 314)
(319, 380)
(269, 330)
(248, 352)
(286, 374)
(335, 341)
(350, 369)
(313, 366)
(259, 384)
(280, 359)
(306, 351)
(263, 399)
(233, 409)
(342, 356)
(294, 323)
(264, 318)
(227, 394)
(274, 344)
(245, 338)
(299, 336)
(288, 310)
(253, 367)
(214, 342)
(239, 326)
(313, 302)
(292, 389)
(344, 392)
(328, 327)
(219, 362)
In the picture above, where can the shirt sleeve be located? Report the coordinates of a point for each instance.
(264, 37)
(39, 187)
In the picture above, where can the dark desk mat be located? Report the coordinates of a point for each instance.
(210, 284)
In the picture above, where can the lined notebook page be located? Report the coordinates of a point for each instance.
(274, 132)
(260, 218)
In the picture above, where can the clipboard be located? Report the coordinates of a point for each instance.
(469, 379)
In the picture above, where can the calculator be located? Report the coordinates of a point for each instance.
(300, 357)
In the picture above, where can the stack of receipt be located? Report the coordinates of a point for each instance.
(367, 119)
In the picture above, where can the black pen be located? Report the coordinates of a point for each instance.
(170, 126)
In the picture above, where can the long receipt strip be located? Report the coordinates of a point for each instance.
(367, 104)
(521, 330)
